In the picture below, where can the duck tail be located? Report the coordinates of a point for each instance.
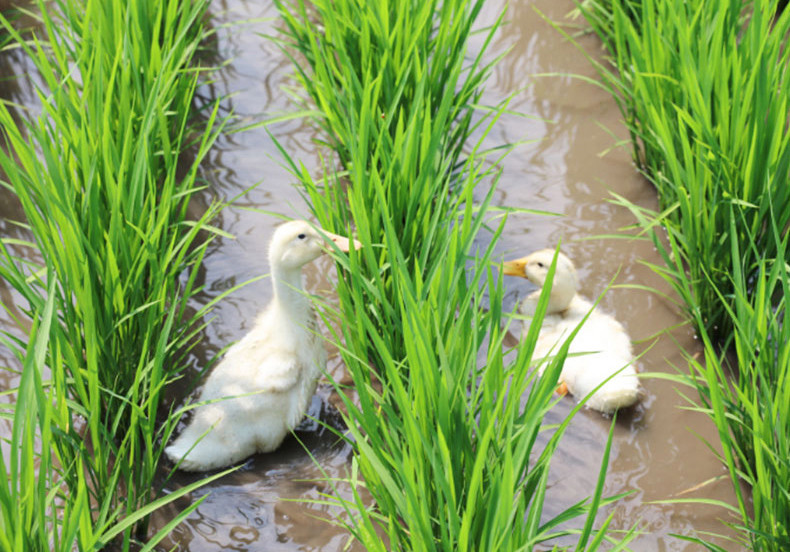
(613, 397)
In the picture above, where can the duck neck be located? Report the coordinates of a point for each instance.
(562, 293)
(288, 292)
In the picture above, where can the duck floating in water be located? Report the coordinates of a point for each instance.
(603, 337)
(272, 372)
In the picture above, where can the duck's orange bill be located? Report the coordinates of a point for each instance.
(562, 389)
(515, 267)
(342, 243)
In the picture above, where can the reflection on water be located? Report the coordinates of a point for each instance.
(656, 453)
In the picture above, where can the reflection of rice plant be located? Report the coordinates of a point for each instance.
(704, 90)
(96, 174)
(445, 446)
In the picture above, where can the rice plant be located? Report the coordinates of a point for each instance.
(28, 482)
(750, 402)
(105, 174)
(704, 91)
(444, 423)
(447, 443)
(394, 96)
(45, 506)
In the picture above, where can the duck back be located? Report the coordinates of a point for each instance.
(600, 350)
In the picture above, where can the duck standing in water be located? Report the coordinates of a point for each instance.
(600, 349)
(271, 373)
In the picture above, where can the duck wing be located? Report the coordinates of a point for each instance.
(278, 372)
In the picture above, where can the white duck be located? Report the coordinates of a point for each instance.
(603, 337)
(275, 367)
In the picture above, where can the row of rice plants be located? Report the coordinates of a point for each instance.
(704, 90)
(708, 120)
(105, 173)
(445, 425)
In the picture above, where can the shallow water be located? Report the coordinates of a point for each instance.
(657, 452)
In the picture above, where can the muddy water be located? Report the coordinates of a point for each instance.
(270, 504)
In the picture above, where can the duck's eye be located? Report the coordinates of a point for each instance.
(541, 265)
(302, 236)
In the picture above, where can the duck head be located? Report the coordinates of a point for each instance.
(535, 268)
(296, 243)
